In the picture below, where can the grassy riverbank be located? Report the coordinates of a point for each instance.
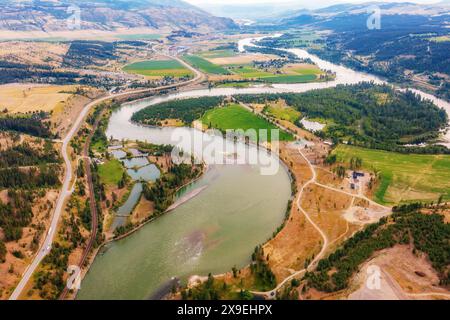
(235, 117)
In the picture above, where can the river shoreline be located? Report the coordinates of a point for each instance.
(132, 231)
(278, 88)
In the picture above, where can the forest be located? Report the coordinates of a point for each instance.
(264, 277)
(30, 178)
(404, 43)
(16, 214)
(89, 53)
(427, 232)
(33, 124)
(186, 110)
(368, 115)
(25, 155)
(292, 58)
(11, 72)
(161, 193)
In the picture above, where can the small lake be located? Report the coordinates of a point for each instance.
(147, 173)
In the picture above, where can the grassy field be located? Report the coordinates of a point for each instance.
(236, 117)
(205, 65)
(404, 178)
(304, 70)
(295, 75)
(283, 113)
(218, 54)
(158, 68)
(111, 172)
(25, 97)
(235, 85)
(288, 78)
(99, 146)
(249, 72)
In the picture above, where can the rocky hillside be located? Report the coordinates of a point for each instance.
(51, 15)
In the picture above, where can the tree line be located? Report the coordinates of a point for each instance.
(33, 124)
(368, 115)
(428, 233)
(25, 155)
(162, 191)
(31, 178)
(186, 110)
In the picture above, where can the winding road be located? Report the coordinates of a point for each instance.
(66, 189)
(313, 181)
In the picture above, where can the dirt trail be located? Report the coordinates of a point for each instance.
(313, 181)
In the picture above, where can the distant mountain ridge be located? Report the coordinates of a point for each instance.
(350, 10)
(51, 15)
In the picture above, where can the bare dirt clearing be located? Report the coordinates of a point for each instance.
(403, 274)
(298, 241)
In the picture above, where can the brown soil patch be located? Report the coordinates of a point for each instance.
(298, 241)
(403, 273)
(326, 208)
(365, 215)
(172, 123)
(326, 177)
(317, 152)
(142, 211)
(65, 114)
(300, 132)
(4, 196)
(163, 162)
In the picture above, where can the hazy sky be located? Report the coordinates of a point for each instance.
(299, 3)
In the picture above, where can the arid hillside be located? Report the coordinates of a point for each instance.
(104, 15)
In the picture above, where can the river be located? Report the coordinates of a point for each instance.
(219, 228)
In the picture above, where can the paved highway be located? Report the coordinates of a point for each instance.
(66, 189)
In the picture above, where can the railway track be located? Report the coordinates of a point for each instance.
(92, 203)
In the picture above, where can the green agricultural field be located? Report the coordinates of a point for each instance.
(218, 54)
(283, 113)
(404, 177)
(158, 68)
(111, 172)
(236, 84)
(307, 71)
(236, 117)
(300, 76)
(249, 72)
(288, 78)
(205, 65)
